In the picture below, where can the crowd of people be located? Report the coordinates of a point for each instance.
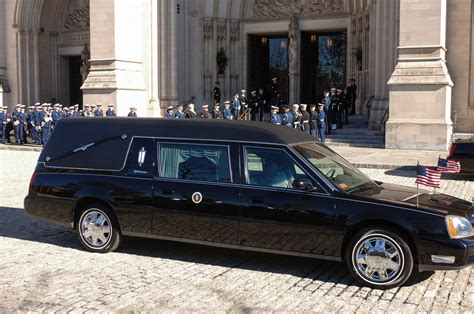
(331, 113)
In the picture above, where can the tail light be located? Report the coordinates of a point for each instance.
(451, 150)
(33, 177)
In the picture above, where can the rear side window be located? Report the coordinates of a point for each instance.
(141, 158)
(464, 149)
(195, 162)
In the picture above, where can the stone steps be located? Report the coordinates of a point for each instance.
(356, 134)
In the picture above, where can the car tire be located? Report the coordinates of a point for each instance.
(379, 258)
(97, 229)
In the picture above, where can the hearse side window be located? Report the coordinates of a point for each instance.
(141, 158)
(271, 168)
(195, 162)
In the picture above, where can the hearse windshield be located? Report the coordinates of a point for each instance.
(335, 168)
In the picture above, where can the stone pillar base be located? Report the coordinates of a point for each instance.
(425, 135)
(117, 82)
(377, 111)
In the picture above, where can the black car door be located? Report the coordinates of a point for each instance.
(196, 196)
(275, 215)
(133, 191)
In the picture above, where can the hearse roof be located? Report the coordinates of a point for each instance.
(73, 133)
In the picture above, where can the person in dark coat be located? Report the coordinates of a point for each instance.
(313, 121)
(253, 105)
(305, 117)
(110, 112)
(217, 93)
(321, 123)
(133, 112)
(169, 113)
(179, 112)
(227, 112)
(190, 113)
(352, 90)
(205, 113)
(276, 117)
(216, 112)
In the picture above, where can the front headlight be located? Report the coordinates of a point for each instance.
(458, 227)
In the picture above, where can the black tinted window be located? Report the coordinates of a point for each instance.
(195, 162)
(464, 149)
(141, 158)
(271, 168)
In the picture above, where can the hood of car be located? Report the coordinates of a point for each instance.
(433, 202)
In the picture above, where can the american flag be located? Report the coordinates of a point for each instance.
(449, 166)
(428, 176)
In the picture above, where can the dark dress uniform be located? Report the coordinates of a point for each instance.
(110, 113)
(228, 114)
(276, 119)
(217, 94)
(352, 91)
(20, 128)
(305, 117)
(132, 114)
(190, 114)
(261, 105)
(179, 115)
(253, 106)
(217, 114)
(38, 118)
(287, 119)
(322, 126)
(98, 112)
(47, 123)
(313, 123)
(206, 115)
(169, 115)
(3, 123)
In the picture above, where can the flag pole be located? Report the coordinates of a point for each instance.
(417, 194)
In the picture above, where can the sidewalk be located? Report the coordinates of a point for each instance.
(361, 157)
(381, 158)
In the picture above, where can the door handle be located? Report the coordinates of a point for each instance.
(167, 192)
(257, 200)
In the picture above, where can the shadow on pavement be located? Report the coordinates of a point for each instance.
(15, 224)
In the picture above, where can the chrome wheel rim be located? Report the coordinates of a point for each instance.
(95, 228)
(378, 259)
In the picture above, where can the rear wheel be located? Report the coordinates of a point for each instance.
(97, 229)
(379, 258)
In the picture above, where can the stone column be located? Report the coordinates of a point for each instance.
(154, 103)
(168, 54)
(28, 67)
(36, 65)
(420, 86)
(54, 64)
(20, 62)
(116, 73)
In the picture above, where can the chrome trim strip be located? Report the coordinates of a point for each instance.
(394, 206)
(197, 182)
(443, 259)
(95, 175)
(265, 188)
(229, 246)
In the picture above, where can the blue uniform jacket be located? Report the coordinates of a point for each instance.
(227, 114)
(179, 115)
(276, 119)
(110, 113)
(322, 120)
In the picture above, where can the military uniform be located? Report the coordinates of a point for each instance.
(98, 112)
(217, 93)
(206, 114)
(227, 112)
(20, 127)
(235, 107)
(3, 123)
(132, 113)
(169, 113)
(46, 127)
(276, 117)
(305, 117)
(313, 122)
(216, 113)
(179, 113)
(110, 112)
(190, 113)
(322, 125)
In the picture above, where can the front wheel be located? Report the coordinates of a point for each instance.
(379, 258)
(98, 230)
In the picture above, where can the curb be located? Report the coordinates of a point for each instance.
(20, 148)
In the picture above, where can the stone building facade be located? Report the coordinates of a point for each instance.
(411, 59)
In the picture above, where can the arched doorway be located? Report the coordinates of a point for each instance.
(51, 36)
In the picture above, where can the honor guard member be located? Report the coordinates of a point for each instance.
(326, 101)
(56, 115)
(305, 116)
(287, 117)
(352, 90)
(190, 113)
(227, 113)
(276, 117)
(169, 113)
(313, 121)
(339, 109)
(205, 112)
(3, 122)
(20, 126)
(253, 105)
(321, 123)
(217, 93)
(87, 110)
(179, 112)
(65, 115)
(275, 93)
(98, 112)
(110, 111)
(29, 122)
(261, 103)
(296, 116)
(133, 112)
(235, 106)
(38, 119)
(71, 112)
(75, 112)
(46, 126)
(216, 112)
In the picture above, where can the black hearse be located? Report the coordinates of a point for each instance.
(236, 184)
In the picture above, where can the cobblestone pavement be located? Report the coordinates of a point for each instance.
(43, 268)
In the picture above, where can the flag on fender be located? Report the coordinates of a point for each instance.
(449, 166)
(428, 176)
